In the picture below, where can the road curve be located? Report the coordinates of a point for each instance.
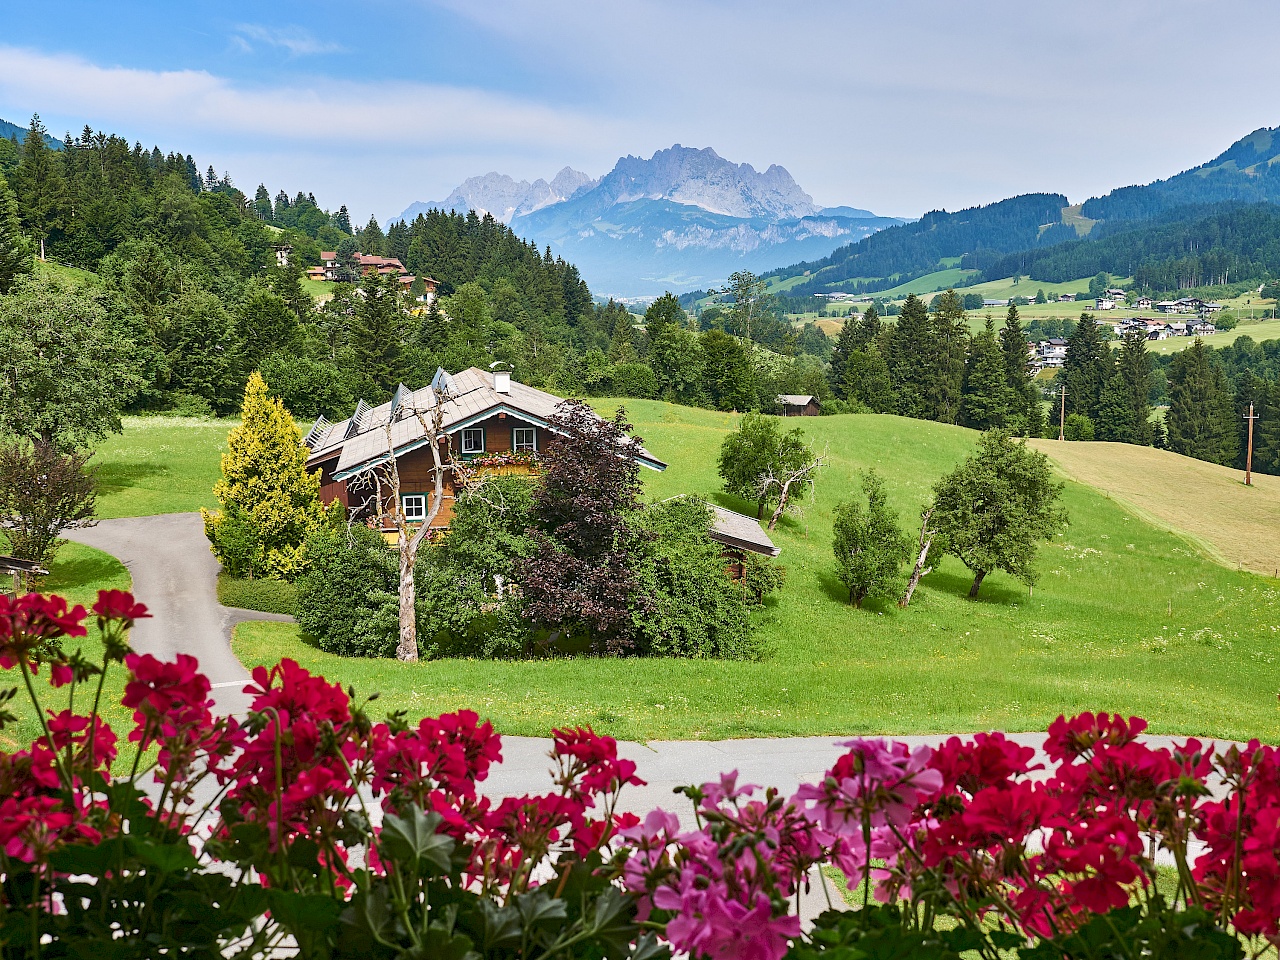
(175, 575)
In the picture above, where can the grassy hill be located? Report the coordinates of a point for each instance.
(1127, 617)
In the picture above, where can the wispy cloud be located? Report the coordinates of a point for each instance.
(299, 41)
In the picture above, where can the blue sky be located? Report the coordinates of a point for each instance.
(900, 107)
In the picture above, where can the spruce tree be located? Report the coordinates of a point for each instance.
(1087, 368)
(949, 342)
(1132, 379)
(846, 344)
(39, 185)
(910, 359)
(15, 252)
(1026, 414)
(270, 503)
(1201, 417)
(987, 398)
(867, 328)
(377, 332)
(867, 382)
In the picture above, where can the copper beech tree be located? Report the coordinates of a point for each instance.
(580, 579)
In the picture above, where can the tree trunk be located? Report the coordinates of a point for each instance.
(920, 570)
(977, 584)
(407, 648)
(759, 510)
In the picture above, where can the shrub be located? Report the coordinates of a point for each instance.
(351, 577)
(270, 502)
(267, 596)
(686, 605)
(761, 576)
(1078, 427)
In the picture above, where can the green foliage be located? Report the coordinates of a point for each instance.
(347, 599)
(988, 399)
(1201, 420)
(761, 576)
(686, 604)
(43, 491)
(270, 503)
(994, 508)
(1026, 417)
(308, 388)
(15, 252)
(728, 380)
(756, 451)
(869, 546)
(267, 596)
(66, 368)
(489, 533)
(1087, 367)
(1078, 427)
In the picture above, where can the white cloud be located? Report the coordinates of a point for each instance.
(297, 40)
(368, 128)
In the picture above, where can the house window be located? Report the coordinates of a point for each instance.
(415, 506)
(473, 440)
(524, 438)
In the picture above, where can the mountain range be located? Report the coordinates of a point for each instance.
(680, 219)
(1046, 237)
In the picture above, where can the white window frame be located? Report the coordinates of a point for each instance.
(532, 444)
(414, 507)
(469, 432)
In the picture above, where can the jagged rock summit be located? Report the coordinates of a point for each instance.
(683, 218)
(504, 197)
(702, 178)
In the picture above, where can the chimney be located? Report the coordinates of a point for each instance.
(502, 381)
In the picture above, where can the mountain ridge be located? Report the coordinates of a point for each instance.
(685, 217)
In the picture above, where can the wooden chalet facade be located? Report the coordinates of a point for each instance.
(490, 424)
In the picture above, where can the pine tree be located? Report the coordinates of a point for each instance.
(270, 503)
(869, 546)
(1026, 415)
(342, 219)
(15, 253)
(949, 342)
(1116, 420)
(1087, 367)
(867, 328)
(987, 398)
(1201, 417)
(262, 204)
(373, 242)
(910, 359)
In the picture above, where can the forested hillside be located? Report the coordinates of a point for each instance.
(186, 297)
(1229, 243)
(914, 249)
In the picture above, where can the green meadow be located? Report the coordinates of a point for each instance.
(1126, 617)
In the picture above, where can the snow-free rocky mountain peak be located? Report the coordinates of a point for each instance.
(681, 219)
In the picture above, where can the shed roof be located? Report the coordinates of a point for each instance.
(740, 531)
(795, 399)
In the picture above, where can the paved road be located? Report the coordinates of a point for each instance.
(175, 575)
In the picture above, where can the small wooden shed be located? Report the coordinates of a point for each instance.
(799, 405)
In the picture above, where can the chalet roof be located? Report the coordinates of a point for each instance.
(469, 396)
(740, 532)
(795, 399)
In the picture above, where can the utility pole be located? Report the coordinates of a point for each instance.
(1248, 459)
(1062, 416)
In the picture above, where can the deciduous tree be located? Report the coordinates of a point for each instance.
(868, 544)
(66, 368)
(756, 452)
(43, 491)
(996, 506)
(580, 579)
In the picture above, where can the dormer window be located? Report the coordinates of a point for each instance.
(473, 440)
(524, 439)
